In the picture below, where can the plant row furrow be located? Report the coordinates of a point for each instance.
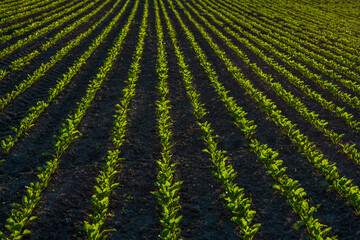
(34, 112)
(288, 187)
(106, 178)
(28, 28)
(19, 63)
(341, 185)
(234, 196)
(297, 82)
(40, 32)
(168, 188)
(67, 135)
(42, 70)
(294, 102)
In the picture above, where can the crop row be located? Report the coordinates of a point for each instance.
(34, 112)
(341, 185)
(68, 134)
(20, 12)
(25, 60)
(334, 89)
(106, 178)
(35, 18)
(28, 28)
(292, 31)
(217, 34)
(290, 99)
(40, 32)
(233, 194)
(296, 81)
(295, 18)
(168, 188)
(288, 187)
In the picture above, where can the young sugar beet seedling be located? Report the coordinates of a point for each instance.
(168, 188)
(234, 198)
(34, 112)
(106, 179)
(68, 133)
(301, 141)
(279, 172)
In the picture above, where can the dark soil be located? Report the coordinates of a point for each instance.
(134, 211)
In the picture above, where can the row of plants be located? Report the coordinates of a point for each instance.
(41, 71)
(288, 24)
(344, 67)
(312, 25)
(21, 12)
(353, 101)
(9, 10)
(29, 28)
(234, 196)
(168, 188)
(341, 185)
(294, 102)
(309, 58)
(297, 82)
(106, 179)
(34, 112)
(27, 6)
(11, 3)
(22, 213)
(334, 89)
(315, 38)
(42, 31)
(36, 18)
(341, 37)
(288, 187)
(19, 63)
(272, 27)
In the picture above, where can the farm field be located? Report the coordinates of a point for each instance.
(179, 119)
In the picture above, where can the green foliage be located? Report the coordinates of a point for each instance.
(106, 179)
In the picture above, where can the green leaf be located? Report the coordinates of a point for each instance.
(298, 225)
(26, 232)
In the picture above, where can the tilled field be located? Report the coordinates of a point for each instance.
(174, 119)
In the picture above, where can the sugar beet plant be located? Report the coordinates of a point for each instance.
(168, 188)
(34, 112)
(298, 56)
(40, 32)
(341, 185)
(19, 63)
(106, 179)
(225, 16)
(289, 98)
(288, 187)
(234, 196)
(67, 135)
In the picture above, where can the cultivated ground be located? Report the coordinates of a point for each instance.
(84, 80)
